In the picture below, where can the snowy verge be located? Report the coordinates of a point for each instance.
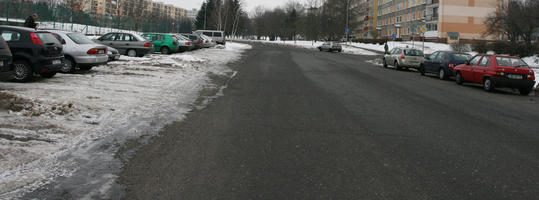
(48, 126)
(313, 45)
(533, 62)
(430, 47)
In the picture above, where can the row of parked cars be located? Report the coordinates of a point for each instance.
(490, 70)
(25, 52)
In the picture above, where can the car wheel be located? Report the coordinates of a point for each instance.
(69, 66)
(165, 50)
(340, 51)
(397, 67)
(441, 74)
(23, 71)
(48, 74)
(488, 85)
(458, 78)
(319, 48)
(131, 53)
(421, 70)
(525, 91)
(385, 63)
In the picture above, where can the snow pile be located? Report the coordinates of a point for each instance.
(430, 47)
(315, 45)
(533, 62)
(52, 127)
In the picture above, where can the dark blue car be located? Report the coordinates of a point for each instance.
(442, 63)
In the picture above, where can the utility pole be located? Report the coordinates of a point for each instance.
(205, 14)
(347, 20)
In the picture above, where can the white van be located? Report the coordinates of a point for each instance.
(218, 36)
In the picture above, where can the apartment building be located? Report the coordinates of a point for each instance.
(443, 19)
(366, 18)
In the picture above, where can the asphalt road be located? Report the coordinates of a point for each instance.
(302, 124)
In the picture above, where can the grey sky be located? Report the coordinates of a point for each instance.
(250, 4)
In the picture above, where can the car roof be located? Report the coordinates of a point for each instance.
(58, 31)
(18, 28)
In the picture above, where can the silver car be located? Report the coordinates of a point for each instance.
(207, 41)
(403, 58)
(113, 54)
(330, 46)
(127, 43)
(79, 51)
(185, 43)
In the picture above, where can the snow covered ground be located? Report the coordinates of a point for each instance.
(430, 47)
(533, 62)
(50, 126)
(314, 45)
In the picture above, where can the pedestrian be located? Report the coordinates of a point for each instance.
(31, 21)
(386, 48)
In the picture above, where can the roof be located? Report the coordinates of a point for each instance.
(19, 28)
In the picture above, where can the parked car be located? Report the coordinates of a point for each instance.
(403, 58)
(164, 43)
(497, 71)
(33, 52)
(185, 44)
(6, 67)
(207, 42)
(330, 46)
(195, 38)
(127, 43)
(79, 51)
(113, 54)
(217, 36)
(442, 63)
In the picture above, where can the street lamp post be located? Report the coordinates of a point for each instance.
(347, 20)
(205, 14)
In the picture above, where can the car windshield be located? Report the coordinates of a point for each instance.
(79, 38)
(511, 62)
(48, 38)
(462, 56)
(413, 52)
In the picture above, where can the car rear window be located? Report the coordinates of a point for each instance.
(79, 38)
(461, 57)
(413, 52)
(511, 62)
(47, 38)
(217, 34)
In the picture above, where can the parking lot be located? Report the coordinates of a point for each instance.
(46, 119)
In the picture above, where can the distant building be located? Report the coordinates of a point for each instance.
(442, 19)
(192, 14)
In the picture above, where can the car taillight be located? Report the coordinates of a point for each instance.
(93, 51)
(187, 43)
(451, 65)
(147, 44)
(35, 39)
(212, 41)
(198, 42)
(402, 55)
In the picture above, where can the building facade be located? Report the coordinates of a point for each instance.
(436, 19)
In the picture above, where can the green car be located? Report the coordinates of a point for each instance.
(164, 43)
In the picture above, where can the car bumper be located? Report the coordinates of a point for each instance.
(145, 51)
(49, 67)
(184, 48)
(6, 75)
(513, 83)
(92, 60)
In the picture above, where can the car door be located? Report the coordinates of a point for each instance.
(467, 70)
(108, 39)
(395, 56)
(480, 70)
(429, 62)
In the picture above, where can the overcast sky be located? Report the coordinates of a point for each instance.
(250, 4)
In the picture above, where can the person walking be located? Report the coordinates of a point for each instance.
(31, 21)
(386, 48)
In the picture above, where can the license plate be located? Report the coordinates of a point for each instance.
(116, 57)
(56, 62)
(514, 76)
(1, 63)
(101, 51)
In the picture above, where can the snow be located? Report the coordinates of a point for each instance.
(49, 126)
(430, 47)
(533, 62)
(314, 45)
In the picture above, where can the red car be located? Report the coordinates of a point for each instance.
(497, 71)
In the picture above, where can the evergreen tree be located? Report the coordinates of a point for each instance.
(201, 17)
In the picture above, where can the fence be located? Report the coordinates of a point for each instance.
(63, 17)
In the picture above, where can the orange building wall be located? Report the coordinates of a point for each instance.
(466, 17)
